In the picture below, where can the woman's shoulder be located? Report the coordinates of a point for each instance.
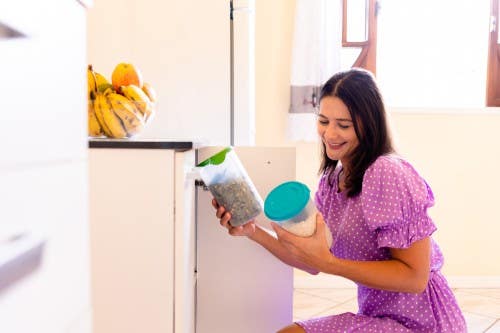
(396, 174)
(390, 164)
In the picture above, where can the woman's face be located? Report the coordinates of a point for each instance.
(336, 129)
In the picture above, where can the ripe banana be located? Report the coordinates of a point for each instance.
(101, 83)
(111, 124)
(139, 97)
(91, 83)
(94, 128)
(125, 109)
(149, 91)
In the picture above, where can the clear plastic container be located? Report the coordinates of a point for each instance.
(290, 205)
(229, 183)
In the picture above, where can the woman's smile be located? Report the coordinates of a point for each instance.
(335, 146)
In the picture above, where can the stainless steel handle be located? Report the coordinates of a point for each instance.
(7, 32)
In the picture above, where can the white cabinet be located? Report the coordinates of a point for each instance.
(43, 168)
(137, 210)
(43, 86)
(160, 261)
(240, 286)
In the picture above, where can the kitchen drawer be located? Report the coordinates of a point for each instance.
(52, 202)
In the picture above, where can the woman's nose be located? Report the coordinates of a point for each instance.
(331, 131)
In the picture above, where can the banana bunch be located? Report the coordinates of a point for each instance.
(117, 113)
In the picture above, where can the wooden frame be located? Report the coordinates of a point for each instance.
(367, 58)
(493, 71)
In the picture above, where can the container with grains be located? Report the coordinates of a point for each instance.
(229, 183)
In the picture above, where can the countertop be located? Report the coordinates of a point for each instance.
(177, 145)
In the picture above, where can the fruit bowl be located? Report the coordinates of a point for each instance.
(120, 109)
(114, 115)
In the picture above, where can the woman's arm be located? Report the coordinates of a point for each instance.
(271, 244)
(407, 271)
(260, 236)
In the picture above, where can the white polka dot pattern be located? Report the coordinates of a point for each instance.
(390, 212)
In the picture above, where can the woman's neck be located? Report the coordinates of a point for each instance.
(341, 179)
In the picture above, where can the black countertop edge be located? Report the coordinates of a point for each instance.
(141, 144)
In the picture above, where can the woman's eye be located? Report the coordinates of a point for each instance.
(343, 126)
(323, 122)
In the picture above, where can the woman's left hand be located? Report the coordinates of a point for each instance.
(312, 251)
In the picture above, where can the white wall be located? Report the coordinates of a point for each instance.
(457, 151)
(182, 49)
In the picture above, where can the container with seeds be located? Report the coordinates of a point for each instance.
(229, 183)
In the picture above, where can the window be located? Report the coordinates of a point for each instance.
(428, 53)
(359, 34)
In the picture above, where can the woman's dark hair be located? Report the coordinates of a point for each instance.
(359, 92)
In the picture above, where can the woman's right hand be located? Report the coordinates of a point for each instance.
(247, 229)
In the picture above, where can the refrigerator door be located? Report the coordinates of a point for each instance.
(240, 286)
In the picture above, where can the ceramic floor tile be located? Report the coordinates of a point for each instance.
(477, 323)
(494, 293)
(495, 328)
(336, 295)
(306, 306)
(478, 304)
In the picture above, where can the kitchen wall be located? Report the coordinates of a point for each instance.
(457, 151)
(182, 49)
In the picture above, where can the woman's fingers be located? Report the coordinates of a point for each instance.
(224, 219)
(214, 203)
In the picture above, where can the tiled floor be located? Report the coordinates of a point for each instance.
(481, 307)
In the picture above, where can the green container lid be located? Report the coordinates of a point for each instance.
(215, 159)
(286, 201)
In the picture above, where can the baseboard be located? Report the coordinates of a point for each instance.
(331, 282)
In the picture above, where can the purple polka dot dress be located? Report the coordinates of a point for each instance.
(390, 212)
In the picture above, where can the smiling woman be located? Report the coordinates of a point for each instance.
(375, 205)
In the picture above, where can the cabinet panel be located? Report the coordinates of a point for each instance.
(238, 280)
(185, 243)
(43, 108)
(52, 202)
(82, 323)
(132, 233)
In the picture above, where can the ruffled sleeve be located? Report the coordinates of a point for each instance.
(395, 199)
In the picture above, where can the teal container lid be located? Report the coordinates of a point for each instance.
(286, 201)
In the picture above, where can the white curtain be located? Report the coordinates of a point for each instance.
(317, 43)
